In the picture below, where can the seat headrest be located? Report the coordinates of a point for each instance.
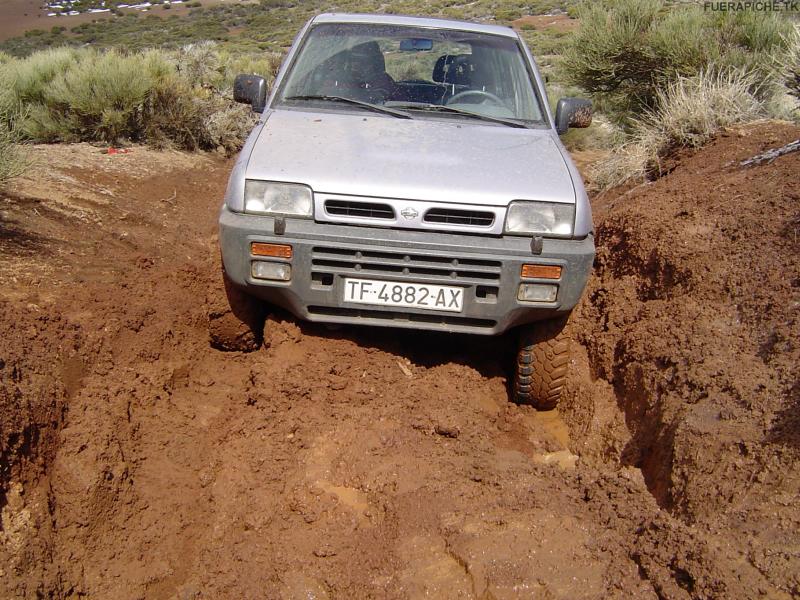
(453, 68)
(439, 68)
(367, 59)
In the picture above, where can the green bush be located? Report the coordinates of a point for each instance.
(164, 98)
(102, 95)
(627, 50)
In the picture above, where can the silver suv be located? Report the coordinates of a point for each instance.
(407, 172)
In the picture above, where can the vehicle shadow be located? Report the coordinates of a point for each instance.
(16, 240)
(491, 356)
(786, 426)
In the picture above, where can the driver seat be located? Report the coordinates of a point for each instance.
(367, 68)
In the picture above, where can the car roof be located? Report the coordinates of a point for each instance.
(431, 22)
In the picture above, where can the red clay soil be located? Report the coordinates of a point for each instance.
(139, 462)
(693, 317)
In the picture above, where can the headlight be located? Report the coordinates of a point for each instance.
(273, 198)
(544, 218)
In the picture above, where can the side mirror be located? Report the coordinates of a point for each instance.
(252, 90)
(573, 112)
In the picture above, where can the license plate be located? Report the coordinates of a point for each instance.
(411, 295)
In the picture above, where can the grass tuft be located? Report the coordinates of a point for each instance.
(12, 160)
(687, 114)
(788, 63)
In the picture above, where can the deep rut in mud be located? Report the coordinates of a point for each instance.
(140, 462)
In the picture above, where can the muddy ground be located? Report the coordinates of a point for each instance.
(138, 462)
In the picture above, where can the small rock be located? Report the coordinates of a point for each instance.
(338, 383)
(324, 552)
(450, 431)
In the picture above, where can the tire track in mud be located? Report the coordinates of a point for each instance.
(313, 464)
(329, 463)
(310, 466)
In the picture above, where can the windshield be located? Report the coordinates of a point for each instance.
(414, 68)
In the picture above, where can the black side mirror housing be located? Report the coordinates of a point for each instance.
(573, 112)
(252, 90)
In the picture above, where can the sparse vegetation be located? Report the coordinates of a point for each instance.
(180, 98)
(626, 51)
(688, 113)
(267, 25)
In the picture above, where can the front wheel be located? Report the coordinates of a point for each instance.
(235, 319)
(542, 364)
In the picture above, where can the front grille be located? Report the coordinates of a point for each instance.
(404, 266)
(363, 210)
(454, 216)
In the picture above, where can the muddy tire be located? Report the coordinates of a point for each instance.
(542, 364)
(235, 319)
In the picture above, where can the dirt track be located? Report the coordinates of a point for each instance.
(138, 462)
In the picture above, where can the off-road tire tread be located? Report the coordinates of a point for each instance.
(542, 364)
(235, 319)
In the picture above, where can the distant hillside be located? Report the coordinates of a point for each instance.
(246, 26)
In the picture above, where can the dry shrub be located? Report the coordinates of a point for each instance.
(196, 118)
(789, 63)
(198, 63)
(228, 126)
(693, 109)
(207, 65)
(12, 160)
(173, 117)
(688, 113)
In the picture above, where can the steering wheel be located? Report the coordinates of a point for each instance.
(477, 93)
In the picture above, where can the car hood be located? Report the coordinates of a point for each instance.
(443, 160)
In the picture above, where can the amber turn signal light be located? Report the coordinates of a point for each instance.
(541, 271)
(274, 250)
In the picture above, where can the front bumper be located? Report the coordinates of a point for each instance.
(488, 268)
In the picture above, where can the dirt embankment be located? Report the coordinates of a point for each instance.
(693, 317)
(138, 462)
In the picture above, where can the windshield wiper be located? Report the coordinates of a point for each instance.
(458, 111)
(376, 107)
